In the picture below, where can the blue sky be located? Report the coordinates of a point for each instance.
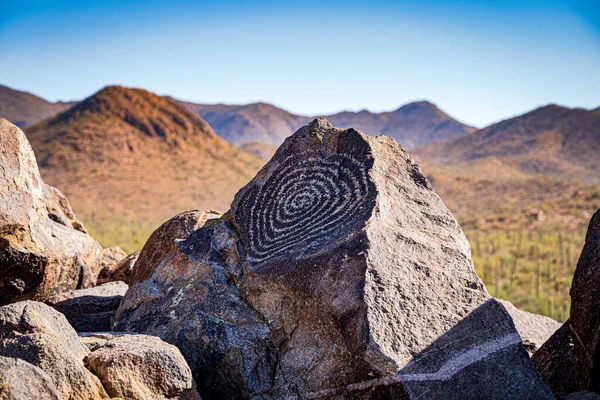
(480, 61)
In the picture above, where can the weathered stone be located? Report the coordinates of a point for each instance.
(120, 271)
(338, 273)
(585, 311)
(554, 361)
(42, 336)
(162, 240)
(534, 329)
(93, 309)
(20, 380)
(139, 367)
(41, 252)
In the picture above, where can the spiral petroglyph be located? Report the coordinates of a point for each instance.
(306, 202)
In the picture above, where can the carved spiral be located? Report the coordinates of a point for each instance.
(305, 203)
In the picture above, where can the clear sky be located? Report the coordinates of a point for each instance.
(480, 61)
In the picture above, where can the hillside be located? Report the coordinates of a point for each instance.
(260, 150)
(257, 122)
(551, 141)
(22, 108)
(412, 125)
(128, 160)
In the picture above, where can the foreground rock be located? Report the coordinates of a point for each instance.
(120, 271)
(20, 380)
(585, 311)
(163, 239)
(43, 247)
(42, 336)
(90, 310)
(338, 273)
(140, 367)
(534, 329)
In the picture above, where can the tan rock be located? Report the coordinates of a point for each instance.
(20, 380)
(122, 270)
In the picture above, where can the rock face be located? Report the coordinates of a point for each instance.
(162, 239)
(90, 310)
(585, 311)
(554, 361)
(43, 248)
(119, 271)
(337, 273)
(42, 336)
(140, 367)
(20, 380)
(534, 329)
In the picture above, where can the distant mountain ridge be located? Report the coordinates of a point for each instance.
(412, 125)
(22, 108)
(551, 141)
(129, 154)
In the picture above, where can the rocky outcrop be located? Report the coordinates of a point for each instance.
(43, 248)
(42, 336)
(162, 240)
(119, 271)
(90, 310)
(534, 329)
(20, 380)
(140, 367)
(337, 273)
(554, 361)
(585, 311)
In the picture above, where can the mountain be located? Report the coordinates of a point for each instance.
(127, 155)
(550, 141)
(22, 108)
(257, 122)
(412, 125)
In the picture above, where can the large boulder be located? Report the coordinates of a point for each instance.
(534, 329)
(585, 311)
(42, 336)
(119, 271)
(162, 240)
(43, 248)
(140, 367)
(90, 310)
(337, 273)
(20, 380)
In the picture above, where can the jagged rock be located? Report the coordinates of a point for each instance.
(554, 361)
(139, 367)
(338, 273)
(42, 336)
(20, 380)
(534, 329)
(162, 239)
(585, 311)
(120, 271)
(93, 309)
(43, 249)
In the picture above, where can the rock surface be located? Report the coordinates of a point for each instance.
(585, 311)
(119, 271)
(42, 336)
(20, 380)
(162, 239)
(534, 329)
(140, 367)
(43, 248)
(338, 273)
(93, 309)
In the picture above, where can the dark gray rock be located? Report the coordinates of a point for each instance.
(43, 249)
(93, 309)
(42, 336)
(140, 367)
(20, 380)
(338, 273)
(585, 311)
